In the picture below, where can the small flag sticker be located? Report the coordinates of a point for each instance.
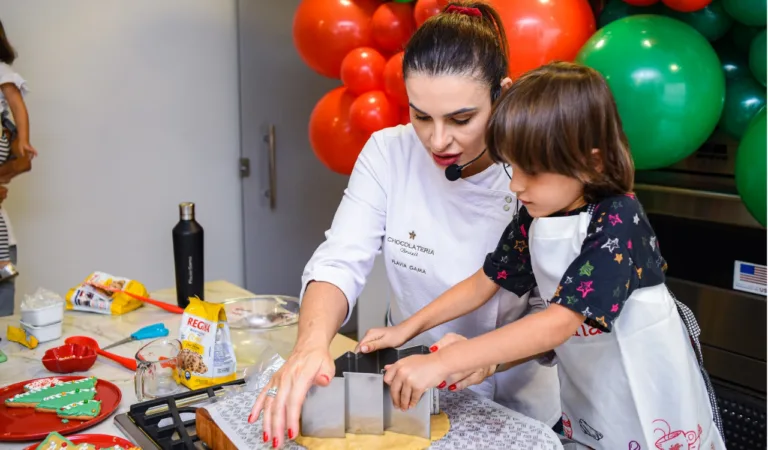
(749, 277)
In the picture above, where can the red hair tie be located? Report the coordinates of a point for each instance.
(466, 10)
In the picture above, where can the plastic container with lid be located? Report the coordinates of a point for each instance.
(261, 321)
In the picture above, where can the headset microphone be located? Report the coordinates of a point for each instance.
(453, 172)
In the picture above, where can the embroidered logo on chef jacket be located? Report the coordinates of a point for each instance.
(408, 246)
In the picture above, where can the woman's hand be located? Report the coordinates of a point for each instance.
(385, 337)
(410, 377)
(462, 380)
(303, 369)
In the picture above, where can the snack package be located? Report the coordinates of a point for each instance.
(88, 296)
(207, 357)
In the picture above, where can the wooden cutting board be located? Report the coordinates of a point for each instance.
(210, 433)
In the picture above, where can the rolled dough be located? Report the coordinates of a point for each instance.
(439, 426)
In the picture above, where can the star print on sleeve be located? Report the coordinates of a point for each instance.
(509, 265)
(601, 279)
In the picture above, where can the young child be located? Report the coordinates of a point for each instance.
(14, 143)
(629, 376)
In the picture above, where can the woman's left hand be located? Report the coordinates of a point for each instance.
(410, 377)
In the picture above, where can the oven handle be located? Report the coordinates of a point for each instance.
(688, 192)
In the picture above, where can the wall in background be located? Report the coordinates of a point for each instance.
(134, 108)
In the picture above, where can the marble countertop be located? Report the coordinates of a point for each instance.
(26, 364)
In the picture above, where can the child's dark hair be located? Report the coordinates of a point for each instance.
(7, 53)
(458, 43)
(552, 118)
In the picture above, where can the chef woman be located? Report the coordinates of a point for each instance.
(428, 196)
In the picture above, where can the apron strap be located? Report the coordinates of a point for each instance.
(694, 331)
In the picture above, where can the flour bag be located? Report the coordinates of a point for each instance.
(207, 357)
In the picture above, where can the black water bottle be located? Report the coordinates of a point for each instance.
(188, 255)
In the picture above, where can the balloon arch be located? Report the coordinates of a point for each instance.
(679, 70)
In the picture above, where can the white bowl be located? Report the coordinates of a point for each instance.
(43, 316)
(44, 333)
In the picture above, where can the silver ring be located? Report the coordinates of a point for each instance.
(272, 392)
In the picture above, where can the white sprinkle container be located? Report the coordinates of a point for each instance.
(42, 316)
(44, 333)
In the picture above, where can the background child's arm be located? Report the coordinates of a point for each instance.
(21, 118)
(14, 167)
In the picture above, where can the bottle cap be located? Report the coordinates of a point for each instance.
(187, 210)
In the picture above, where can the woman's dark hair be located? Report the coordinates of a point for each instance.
(7, 53)
(459, 43)
(552, 118)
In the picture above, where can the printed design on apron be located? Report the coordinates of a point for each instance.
(589, 431)
(567, 428)
(673, 440)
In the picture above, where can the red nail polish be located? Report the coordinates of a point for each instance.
(274, 442)
(452, 387)
(266, 438)
(250, 418)
(325, 377)
(290, 433)
(433, 348)
(441, 385)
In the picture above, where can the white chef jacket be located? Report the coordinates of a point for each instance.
(434, 233)
(8, 75)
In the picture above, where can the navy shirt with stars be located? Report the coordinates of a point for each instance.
(619, 255)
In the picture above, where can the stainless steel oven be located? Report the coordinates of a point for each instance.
(706, 234)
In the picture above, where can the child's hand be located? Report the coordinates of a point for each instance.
(462, 380)
(378, 338)
(24, 149)
(410, 377)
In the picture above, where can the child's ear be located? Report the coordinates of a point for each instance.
(597, 159)
(506, 83)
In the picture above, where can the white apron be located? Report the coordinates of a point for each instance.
(638, 387)
(439, 238)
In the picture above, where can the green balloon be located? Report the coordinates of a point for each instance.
(618, 9)
(750, 167)
(711, 21)
(731, 60)
(744, 97)
(757, 53)
(742, 36)
(667, 82)
(748, 12)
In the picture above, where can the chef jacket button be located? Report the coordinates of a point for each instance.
(508, 199)
(506, 207)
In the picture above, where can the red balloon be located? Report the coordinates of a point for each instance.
(362, 70)
(424, 9)
(687, 5)
(373, 111)
(393, 25)
(324, 31)
(333, 138)
(641, 2)
(394, 84)
(405, 116)
(541, 31)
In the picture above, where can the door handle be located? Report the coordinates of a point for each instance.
(269, 138)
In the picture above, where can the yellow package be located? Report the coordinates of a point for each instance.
(100, 293)
(207, 357)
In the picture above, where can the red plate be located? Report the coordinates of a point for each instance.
(99, 440)
(26, 424)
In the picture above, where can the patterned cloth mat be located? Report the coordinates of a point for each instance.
(476, 422)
